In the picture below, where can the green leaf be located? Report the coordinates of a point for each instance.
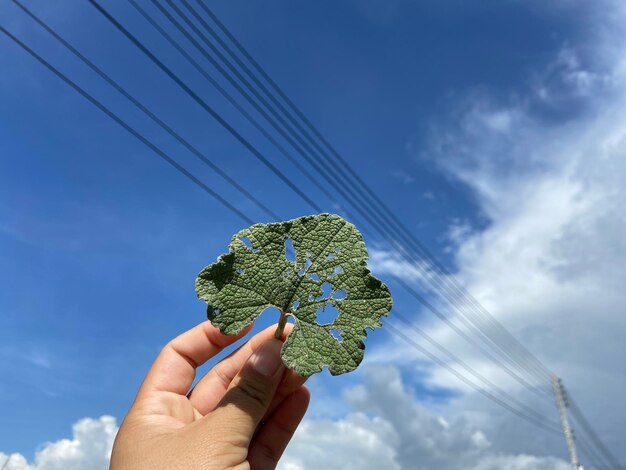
(327, 273)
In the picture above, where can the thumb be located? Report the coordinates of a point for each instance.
(249, 396)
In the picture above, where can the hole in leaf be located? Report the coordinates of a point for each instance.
(216, 311)
(290, 251)
(331, 256)
(295, 305)
(338, 270)
(314, 277)
(336, 334)
(337, 250)
(326, 315)
(307, 263)
(246, 241)
(240, 271)
(327, 289)
(340, 294)
(301, 272)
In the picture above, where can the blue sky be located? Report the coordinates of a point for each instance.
(100, 241)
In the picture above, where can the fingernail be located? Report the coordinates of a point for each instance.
(266, 360)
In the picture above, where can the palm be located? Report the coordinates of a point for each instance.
(166, 408)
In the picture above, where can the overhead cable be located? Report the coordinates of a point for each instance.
(366, 192)
(127, 127)
(200, 48)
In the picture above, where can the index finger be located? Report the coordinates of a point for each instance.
(175, 367)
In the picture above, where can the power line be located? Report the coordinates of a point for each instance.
(468, 368)
(465, 336)
(194, 150)
(127, 127)
(288, 135)
(366, 192)
(597, 442)
(248, 97)
(228, 97)
(251, 148)
(363, 210)
(462, 378)
(591, 455)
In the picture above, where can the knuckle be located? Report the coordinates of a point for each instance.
(253, 392)
(270, 456)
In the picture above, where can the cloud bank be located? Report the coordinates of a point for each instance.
(547, 167)
(388, 428)
(88, 449)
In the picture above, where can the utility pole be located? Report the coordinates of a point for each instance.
(567, 431)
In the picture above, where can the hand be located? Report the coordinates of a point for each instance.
(241, 414)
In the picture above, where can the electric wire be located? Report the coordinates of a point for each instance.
(590, 455)
(251, 148)
(389, 326)
(194, 150)
(247, 84)
(455, 358)
(322, 139)
(472, 371)
(229, 97)
(368, 192)
(297, 144)
(234, 83)
(126, 126)
(597, 442)
(463, 334)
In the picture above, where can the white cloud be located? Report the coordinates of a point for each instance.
(521, 462)
(551, 263)
(382, 261)
(355, 441)
(89, 449)
(389, 429)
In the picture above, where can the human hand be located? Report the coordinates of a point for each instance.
(241, 414)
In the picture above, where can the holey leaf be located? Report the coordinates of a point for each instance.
(313, 269)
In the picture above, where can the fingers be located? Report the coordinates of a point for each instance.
(271, 441)
(249, 396)
(211, 388)
(175, 367)
(291, 382)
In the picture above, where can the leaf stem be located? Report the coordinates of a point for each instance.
(282, 321)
